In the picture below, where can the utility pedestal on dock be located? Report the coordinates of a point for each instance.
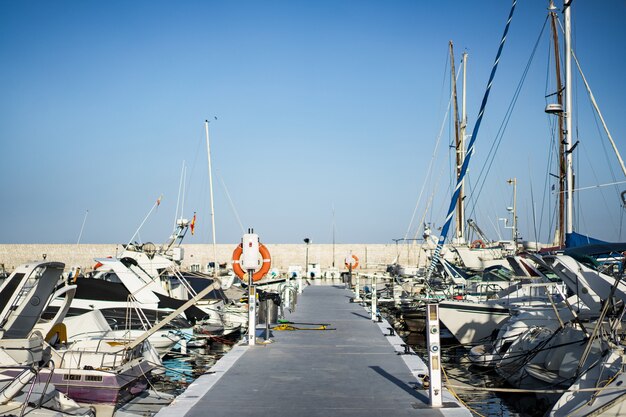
(250, 261)
(357, 289)
(374, 297)
(434, 354)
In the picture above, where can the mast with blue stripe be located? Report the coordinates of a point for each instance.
(470, 150)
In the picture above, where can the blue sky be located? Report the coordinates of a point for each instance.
(319, 105)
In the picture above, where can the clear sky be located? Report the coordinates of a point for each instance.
(320, 106)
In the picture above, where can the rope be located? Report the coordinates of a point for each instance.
(454, 394)
(531, 391)
(289, 327)
(491, 155)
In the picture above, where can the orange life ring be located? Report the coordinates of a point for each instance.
(355, 264)
(267, 263)
(477, 244)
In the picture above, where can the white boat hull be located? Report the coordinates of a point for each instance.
(471, 323)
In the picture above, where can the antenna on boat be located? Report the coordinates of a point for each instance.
(181, 224)
(333, 207)
(155, 205)
(208, 147)
(181, 185)
(82, 227)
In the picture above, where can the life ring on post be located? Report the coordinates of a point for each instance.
(265, 267)
(477, 244)
(353, 265)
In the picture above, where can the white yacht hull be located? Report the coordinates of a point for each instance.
(471, 323)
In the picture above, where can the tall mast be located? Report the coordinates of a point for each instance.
(457, 141)
(333, 235)
(208, 148)
(461, 150)
(569, 223)
(560, 233)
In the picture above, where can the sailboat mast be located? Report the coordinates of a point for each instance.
(457, 141)
(333, 235)
(208, 147)
(569, 224)
(461, 150)
(560, 233)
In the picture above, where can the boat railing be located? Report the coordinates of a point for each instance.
(35, 370)
(537, 291)
(50, 365)
(133, 305)
(96, 356)
(485, 291)
(183, 281)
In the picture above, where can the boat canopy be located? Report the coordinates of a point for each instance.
(574, 240)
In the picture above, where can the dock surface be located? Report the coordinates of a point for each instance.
(355, 370)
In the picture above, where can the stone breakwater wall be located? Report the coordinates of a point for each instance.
(371, 256)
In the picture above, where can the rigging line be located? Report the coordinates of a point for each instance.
(430, 164)
(182, 203)
(80, 235)
(606, 203)
(428, 172)
(547, 190)
(470, 148)
(621, 224)
(482, 177)
(606, 155)
(595, 105)
(230, 200)
(154, 206)
(598, 114)
(591, 187)
(200, 143)
(429, 202)
(180, 186)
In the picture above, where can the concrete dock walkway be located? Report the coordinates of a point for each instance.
(355, 370)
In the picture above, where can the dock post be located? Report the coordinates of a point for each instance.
(374, 297)
(434, 354)
(250, 261)
(357, 288)
(267, 319)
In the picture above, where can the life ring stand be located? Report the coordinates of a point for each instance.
(355, 264)
(477, 244)
(265, 267)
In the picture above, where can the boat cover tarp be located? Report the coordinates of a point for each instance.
(457, 275)
(574, 240)
(596, 249)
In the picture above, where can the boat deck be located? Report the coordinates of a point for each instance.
(355, 370)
